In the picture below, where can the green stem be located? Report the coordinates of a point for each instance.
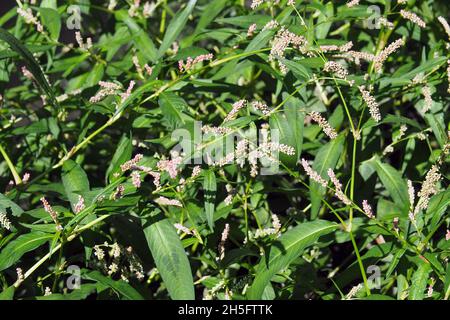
(360, 263)
(74, 234)
(11, 167)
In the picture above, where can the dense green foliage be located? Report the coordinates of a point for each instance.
(103, 106)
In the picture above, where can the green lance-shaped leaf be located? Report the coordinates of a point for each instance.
(209, 13)
(285, 250)
(52, 21)
(8, 293)
(327, 157)
(119, 286)
(23, 244)
(75, 181)
(289, 128)
(122, 154)
(142, 41)
(419, 281)
(447, 283)
(30, 62)
(393, 182)
(175, 27)
(210, 187)
(170, 258)
(8, 206)
(79, 294)
(171, 107)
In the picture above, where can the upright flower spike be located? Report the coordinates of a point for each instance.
(283, 39)
(196, 171)
(258, 105)
(79, 205)
(20, 276)
(237, 106)
(367, 209)
(448, 75)
(256, 3)
(445, 25)
(124, 96)
(371, 103)
(411, 194)
(112, 4)
(181, 228)
(83, 46)
(272, 24)
(386, 52)
(131, 163)
(170, 166)
(136, 179)
(4, 221)
(352, 3)
(223, 240)
(29, 18)
(276, 222)
(323, 123)
(428, 100)
(168, 202)
(251, 30)
(106, 89)
(338, 187)
(428, 189)
(414, 18)
(53, 214)
(313, 174)
(191, 62)
(336, 68)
